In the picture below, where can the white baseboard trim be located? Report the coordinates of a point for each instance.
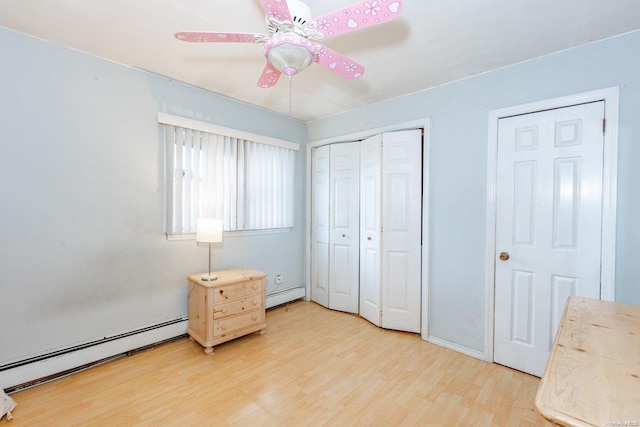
(74, 359)
(46, 367)
(284, 296)
(457, 347)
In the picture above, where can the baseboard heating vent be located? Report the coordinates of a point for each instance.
(45, 367)
(284, 296)
(77, 369)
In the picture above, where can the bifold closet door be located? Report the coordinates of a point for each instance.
(370, 209)
(344, 230)
(402, 230)
(391, 226)
(335, 193)
(320, 213)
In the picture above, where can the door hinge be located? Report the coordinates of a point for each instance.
(604, 125)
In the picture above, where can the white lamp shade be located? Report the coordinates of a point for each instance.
(209, 230)
(289, 58)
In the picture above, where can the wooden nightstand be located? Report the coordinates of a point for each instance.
(226, 308)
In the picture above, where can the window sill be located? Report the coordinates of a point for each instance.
(230, 234)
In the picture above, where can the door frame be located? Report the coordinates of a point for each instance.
(610, 96)
(425, 124)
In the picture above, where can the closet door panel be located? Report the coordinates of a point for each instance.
(398, 267)
(320, 214)
(370, 152)
(344, 252)
(401, 230)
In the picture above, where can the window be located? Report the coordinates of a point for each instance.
(213, 171)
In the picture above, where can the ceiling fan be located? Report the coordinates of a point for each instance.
(291, 45)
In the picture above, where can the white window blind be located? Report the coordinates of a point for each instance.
(268, 176)
(247, 182)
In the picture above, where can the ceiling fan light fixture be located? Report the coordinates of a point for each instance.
(289, 53)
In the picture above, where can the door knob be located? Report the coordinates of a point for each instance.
(504, 256)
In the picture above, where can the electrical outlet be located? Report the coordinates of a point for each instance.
(279, 279)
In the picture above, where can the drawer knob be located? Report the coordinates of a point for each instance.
(223, 327)
(254, 302)
(254, 286)
(254, 317)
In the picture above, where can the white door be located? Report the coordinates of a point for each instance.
(344, 229)
(390, 224)
(370, 234)
(320, 159)
(548, 226)
(401, 230)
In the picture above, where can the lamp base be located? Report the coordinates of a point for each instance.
(209, 277)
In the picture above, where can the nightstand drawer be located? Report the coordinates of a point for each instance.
(230, 325)
(237, 290)
(237, 306)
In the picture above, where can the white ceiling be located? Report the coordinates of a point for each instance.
(432, 42)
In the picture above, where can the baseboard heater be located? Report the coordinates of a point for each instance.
(26, 373)
(284, 296)
(35, 370)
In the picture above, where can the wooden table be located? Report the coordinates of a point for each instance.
(592, 377)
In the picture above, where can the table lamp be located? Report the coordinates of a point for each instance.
(209, 230)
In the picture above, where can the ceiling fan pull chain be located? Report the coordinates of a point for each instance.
(290, 94)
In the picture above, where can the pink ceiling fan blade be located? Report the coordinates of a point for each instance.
(209, 37)
(269, 76)
(357, 16)
(340, 64)
(277, 9)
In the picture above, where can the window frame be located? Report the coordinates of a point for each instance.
(166, 119)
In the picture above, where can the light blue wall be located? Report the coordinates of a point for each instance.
(82, 248)
(459, 119)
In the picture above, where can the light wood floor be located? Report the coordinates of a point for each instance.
(313, 367)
